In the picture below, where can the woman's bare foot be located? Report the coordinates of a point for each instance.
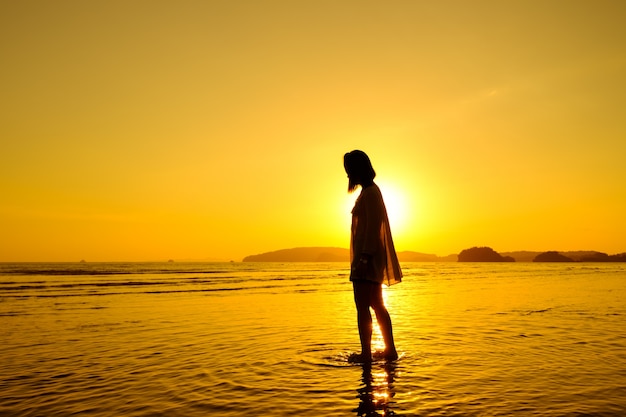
(391, 355)
(359, 358)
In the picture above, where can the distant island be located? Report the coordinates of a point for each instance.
(486, 254)
(313, 254)
(483, 254)
(475, 254)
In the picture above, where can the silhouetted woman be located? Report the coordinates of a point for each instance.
(373, 258)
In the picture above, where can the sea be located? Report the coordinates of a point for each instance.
(273, 339)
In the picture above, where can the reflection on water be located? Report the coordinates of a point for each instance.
(274, 339)
(377, 390)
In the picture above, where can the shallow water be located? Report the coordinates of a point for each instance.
(239, 339)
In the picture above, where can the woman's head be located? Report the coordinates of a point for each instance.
(359, 169)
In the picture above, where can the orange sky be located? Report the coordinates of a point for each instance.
(211, 130)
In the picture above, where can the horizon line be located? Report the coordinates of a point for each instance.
(231, 260)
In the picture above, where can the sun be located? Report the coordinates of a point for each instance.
(397, 207)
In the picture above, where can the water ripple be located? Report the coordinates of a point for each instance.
(478, 340)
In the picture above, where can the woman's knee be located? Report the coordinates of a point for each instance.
(362, 304)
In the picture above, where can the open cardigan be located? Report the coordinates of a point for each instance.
(371, 235)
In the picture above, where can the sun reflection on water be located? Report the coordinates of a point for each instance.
(378, 344)
(377, 392)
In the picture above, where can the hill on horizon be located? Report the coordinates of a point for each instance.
(303, 254)
(332, 254)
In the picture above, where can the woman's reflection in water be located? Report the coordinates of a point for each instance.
(377, 392)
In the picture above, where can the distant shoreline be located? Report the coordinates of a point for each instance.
(334, 254)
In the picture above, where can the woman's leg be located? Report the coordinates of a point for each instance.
(362, 299)
(384, 321)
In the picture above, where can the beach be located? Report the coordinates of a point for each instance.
(240, 339)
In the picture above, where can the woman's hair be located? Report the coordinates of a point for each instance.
(359, 169)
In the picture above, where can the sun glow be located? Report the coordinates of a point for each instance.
(397, 206)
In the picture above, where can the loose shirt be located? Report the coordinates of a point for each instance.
(371, 235)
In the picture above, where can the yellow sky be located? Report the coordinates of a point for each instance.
(150, 130)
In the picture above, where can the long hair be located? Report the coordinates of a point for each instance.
(359, 169)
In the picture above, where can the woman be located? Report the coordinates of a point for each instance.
(373, 258)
